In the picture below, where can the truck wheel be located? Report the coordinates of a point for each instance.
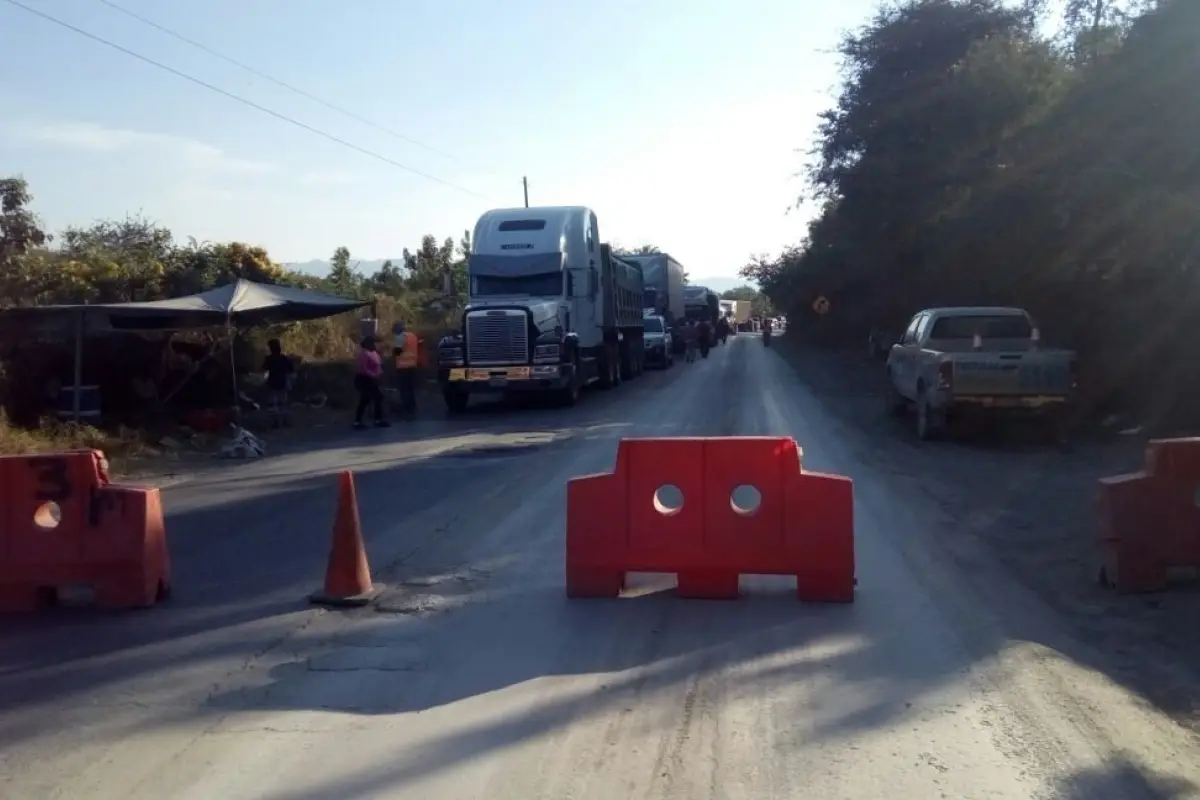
(569, 395)
(606, 369)
(456, 402)
(930, 422)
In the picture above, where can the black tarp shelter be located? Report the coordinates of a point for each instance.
(241, 304)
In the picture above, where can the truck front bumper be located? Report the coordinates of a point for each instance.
(538, 378)
(656, 353)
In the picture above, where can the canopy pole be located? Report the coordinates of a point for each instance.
(229, 331)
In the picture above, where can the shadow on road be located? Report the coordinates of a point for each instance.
(1123, 780)
(249, 542)
(487, 415)
(452, 637)
(242, 569)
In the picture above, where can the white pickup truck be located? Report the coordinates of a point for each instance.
(955, 361)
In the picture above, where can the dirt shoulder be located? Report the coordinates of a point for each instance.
(1033, 506)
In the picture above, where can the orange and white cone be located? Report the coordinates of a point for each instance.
(347, 576)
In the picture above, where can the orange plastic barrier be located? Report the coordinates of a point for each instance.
(708, 534)
(1148, 522)
(65, 530)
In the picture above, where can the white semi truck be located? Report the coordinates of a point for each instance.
(549, 309)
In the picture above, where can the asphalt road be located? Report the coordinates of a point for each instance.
(475, 678)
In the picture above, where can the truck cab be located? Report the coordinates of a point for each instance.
(541, 291)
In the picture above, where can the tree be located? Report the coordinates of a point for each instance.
(969, 159)
(427, 267)
(20, 233)
(343, 280)
(387, 280)
(640, 250)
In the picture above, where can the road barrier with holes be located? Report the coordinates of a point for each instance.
(710, 510)
(67, 535)
(1148, 522)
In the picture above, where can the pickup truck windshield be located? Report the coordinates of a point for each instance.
(653, 325)
(549, 284)
(988, 326)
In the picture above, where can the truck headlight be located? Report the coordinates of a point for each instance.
(450, 356)
(543, 353)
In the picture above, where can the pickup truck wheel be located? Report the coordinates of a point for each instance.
(929, 421)
(896, 403)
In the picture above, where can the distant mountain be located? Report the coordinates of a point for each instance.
(320, 268)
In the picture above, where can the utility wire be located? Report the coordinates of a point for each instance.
(276, 81)
(244, 101)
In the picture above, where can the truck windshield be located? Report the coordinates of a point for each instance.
(653, 325)
(547, 284)
(989, 326)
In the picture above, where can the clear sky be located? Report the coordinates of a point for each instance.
(677, 120)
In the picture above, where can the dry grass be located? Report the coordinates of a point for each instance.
(124, 447)
(52, 436)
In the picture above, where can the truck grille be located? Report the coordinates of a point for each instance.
(497, 337)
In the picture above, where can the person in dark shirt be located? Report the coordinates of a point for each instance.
(279, 370)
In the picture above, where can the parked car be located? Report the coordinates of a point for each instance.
(659, 342)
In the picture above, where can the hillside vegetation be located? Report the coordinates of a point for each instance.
(971, 159)
(134, 259)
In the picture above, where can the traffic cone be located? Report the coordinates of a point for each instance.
(347, 576)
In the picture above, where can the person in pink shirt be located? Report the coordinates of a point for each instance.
(368, 380)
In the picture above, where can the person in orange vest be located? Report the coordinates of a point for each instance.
(404, 354)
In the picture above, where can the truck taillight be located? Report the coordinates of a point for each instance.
(945, 376)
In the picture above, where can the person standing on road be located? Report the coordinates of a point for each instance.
(722, 329)
(690, 337)
(280, 372)
(368, 375)
(404, 354)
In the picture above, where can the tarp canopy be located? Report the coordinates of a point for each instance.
(241, 304)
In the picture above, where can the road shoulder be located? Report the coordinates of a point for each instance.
(1031, 508)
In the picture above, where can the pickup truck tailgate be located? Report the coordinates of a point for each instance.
(1012, 374)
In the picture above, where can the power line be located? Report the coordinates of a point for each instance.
(244, 101)
(276, 81)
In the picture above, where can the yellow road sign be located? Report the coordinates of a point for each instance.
(821, 305)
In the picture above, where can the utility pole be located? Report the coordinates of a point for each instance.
(525, 186)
